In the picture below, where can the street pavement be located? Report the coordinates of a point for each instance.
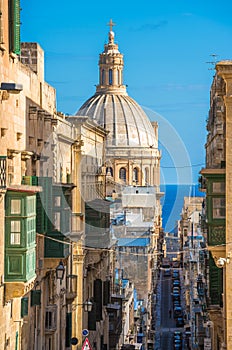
(165, 323)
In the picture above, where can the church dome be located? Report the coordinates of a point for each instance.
(113, 109)
(127, 123)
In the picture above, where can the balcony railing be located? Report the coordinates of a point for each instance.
(3, 171)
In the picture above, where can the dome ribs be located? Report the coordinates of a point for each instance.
(114, 120)
(88, 106)
(147, 129)
(119, 124)
(135, 124)
(126, 121)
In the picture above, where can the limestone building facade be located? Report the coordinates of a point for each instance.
(216, 181)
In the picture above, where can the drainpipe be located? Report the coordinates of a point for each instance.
(1, 22)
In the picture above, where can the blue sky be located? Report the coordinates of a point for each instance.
(166, 45)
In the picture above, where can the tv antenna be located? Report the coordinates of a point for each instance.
(213, 61)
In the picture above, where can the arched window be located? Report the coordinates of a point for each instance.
(122, 174)
(109, 171)
(110, 77)
(135, 175)
(146, 176)
(103, 77)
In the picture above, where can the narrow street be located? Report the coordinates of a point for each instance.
(165, 321)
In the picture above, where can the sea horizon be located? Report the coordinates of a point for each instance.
(173, 200)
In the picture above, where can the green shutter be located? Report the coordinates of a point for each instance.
(215, 283)
(14, 26)
(35, 297)
(24, 307)
(44, 206)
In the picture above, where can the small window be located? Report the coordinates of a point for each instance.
(15, 206)
(50, 318)
(15, 232)
(147, 176)
(122, 174)
(103, 77)
(109, 171)
(119, 82)
(110, 77)
(135, 175)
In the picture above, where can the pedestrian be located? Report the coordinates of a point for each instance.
(170, 313)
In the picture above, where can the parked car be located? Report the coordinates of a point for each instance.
(176, 289)
(167, 272)
(176, 303)
(179, 322)
(177, 335)
(177, 312)
(176, 283)
(176, 296)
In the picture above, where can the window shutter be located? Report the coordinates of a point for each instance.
(215, 283)
(92, 318)
(35, 297)
(68, 329)
(106, 292)
(24, 307)
(44, 205)
(98, 298)
(14, 26)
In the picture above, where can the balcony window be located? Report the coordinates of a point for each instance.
(20, 236)
(218, 187)
(219, 208)
(57, 201)
(15, 206)
(57, 221)
(15, 232)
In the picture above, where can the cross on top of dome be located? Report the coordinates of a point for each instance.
(111, 24)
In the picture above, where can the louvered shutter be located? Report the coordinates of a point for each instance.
(98, 298)
(92, 318)
(24, 307)
(44, 206)
(14, 26)
(215, 283)
(106, 292)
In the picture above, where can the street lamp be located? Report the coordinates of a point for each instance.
(87, 305)
(60, 271)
